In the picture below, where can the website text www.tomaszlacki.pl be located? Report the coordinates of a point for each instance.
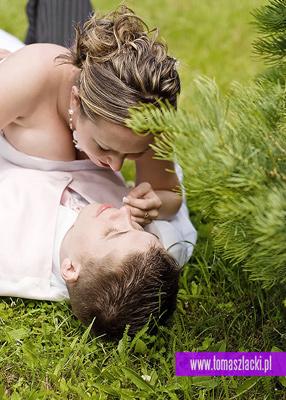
(231, 364)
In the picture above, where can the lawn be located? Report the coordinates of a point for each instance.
(210, 37)
(46, 354)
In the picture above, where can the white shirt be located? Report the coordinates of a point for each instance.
(65, 220)
(71, 203)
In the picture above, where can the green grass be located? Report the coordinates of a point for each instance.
(46, 354)
(211, 37)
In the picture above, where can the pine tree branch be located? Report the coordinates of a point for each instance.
(270, 22)
(233, 154)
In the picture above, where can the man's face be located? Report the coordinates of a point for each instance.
(101, 231)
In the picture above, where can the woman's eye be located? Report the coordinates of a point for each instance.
(99, 147)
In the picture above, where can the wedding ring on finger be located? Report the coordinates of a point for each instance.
(146, 215)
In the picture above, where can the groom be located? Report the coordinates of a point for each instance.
(50, 250)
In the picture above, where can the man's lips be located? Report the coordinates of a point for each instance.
(103, 207)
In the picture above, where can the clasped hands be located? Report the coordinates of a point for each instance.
(143, 203)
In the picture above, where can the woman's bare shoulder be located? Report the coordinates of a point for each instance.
(46, 50)
(39, 56)
(25, 76)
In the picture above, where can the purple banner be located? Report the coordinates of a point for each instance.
(231, 364)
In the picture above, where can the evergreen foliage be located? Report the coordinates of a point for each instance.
(233, 155)
(271, 23)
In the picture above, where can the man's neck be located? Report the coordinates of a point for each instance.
(65, 245)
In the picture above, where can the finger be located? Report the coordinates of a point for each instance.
(143, 204)
(141, 221)
(136, 212)
(139, 216)
(140, 190)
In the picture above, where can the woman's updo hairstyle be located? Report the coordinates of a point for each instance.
(122, 65)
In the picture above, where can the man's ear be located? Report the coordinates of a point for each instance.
(70, 271)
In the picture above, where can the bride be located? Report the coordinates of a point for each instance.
(72, 104)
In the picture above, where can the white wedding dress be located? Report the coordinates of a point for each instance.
(9, 42)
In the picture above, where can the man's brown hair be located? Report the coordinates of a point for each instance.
(144, 284)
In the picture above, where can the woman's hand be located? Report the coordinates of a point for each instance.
(144, 203)
(4, 53)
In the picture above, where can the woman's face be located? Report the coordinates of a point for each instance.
(101, 230)
(108, 144)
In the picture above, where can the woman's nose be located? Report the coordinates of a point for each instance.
(115, 162)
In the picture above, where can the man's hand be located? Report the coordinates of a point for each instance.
(143, 203)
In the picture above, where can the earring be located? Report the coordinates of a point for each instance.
(74, 132)
(75, 140)
(70, 111)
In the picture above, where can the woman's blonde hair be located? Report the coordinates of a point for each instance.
(122, 65)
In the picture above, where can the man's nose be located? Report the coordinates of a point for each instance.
(115, 162)
(125, 214)
(121, 215)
